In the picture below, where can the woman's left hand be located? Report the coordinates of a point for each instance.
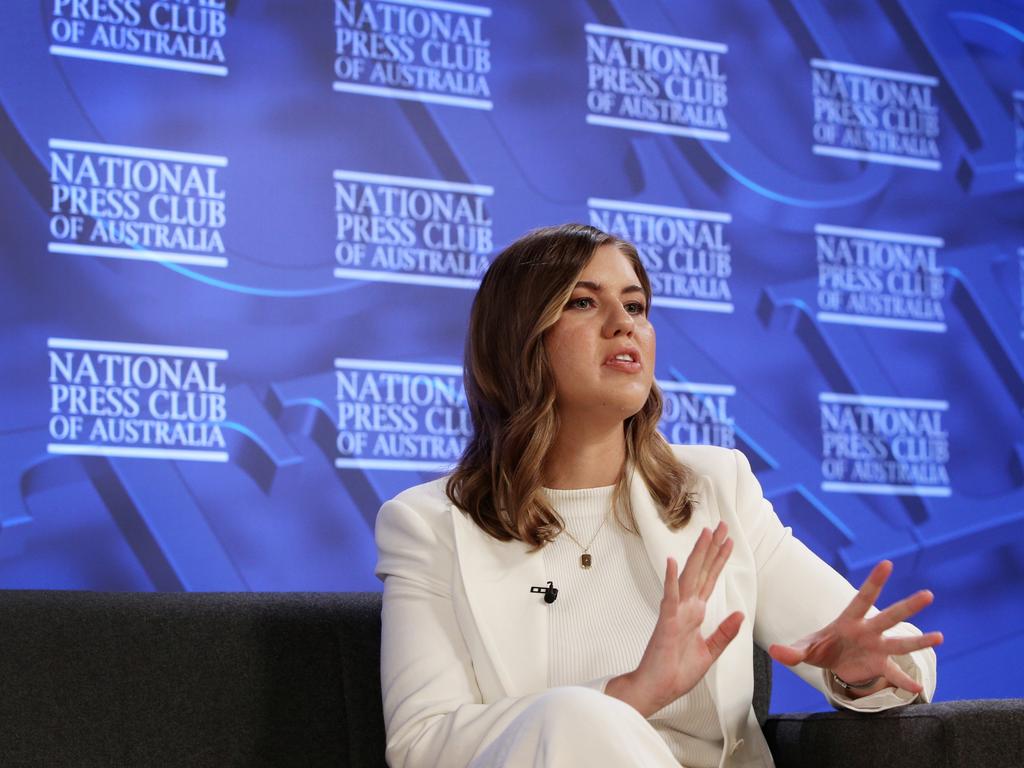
(854, 647)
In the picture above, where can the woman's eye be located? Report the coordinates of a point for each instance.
(635, 308)
(581, 303)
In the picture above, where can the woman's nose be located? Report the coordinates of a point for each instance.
(620, 322)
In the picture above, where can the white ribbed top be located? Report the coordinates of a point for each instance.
(604, 616)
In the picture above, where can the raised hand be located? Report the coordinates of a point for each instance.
(854, 647)
(677, 655)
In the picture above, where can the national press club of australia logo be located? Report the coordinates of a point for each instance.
(687, 252)
(876, 115)
(895, 446)
(880, 279)
(649, 81)
(401, 229)
(400, 415)
(139, 203)
(695, 413)
(160, 34)
(433, 51)
(129, 400)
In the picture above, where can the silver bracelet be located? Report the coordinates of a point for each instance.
(848, 686)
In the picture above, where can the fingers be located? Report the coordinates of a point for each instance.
(670, 598)
(719, 640)
(869, 591)
(786, 654)
(705, 562)
(702, 569)
(715, 569)
(895, 646)
(900, 611)
(690, 579)
(901, 679)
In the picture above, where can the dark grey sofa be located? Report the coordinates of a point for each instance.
(283, 679)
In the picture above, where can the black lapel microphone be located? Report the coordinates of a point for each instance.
(549, 592)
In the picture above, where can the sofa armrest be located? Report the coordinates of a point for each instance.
(951, 734)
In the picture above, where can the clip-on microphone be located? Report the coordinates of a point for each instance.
(549, 592)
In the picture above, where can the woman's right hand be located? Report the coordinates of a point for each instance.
(677, 655)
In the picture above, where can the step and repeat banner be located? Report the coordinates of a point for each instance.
(240, 242)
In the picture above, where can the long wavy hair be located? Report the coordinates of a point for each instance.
(510, 391)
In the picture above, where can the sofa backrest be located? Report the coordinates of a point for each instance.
(197, 679)
(190, 679)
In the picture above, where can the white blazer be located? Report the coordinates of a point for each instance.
(464, 645)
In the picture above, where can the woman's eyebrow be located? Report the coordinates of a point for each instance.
(597, 287)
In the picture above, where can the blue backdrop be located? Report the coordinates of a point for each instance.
(240, 241)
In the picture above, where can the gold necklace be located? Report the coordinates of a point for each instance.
(586, 560)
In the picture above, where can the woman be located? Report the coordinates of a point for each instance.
(566, 485)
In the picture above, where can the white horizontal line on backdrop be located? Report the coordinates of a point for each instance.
(131, 348)
(139, 61)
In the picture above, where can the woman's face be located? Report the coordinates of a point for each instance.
(601, 350)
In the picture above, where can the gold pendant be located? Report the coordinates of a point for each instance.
(585, 560)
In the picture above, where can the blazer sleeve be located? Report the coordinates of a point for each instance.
(433, 709)
(798, 593)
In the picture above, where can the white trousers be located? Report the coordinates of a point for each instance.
(574, 726)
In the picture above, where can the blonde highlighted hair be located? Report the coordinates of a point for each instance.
(511, 394)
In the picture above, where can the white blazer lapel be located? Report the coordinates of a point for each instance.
(512, 622)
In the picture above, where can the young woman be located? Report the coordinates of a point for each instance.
(567, 484)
